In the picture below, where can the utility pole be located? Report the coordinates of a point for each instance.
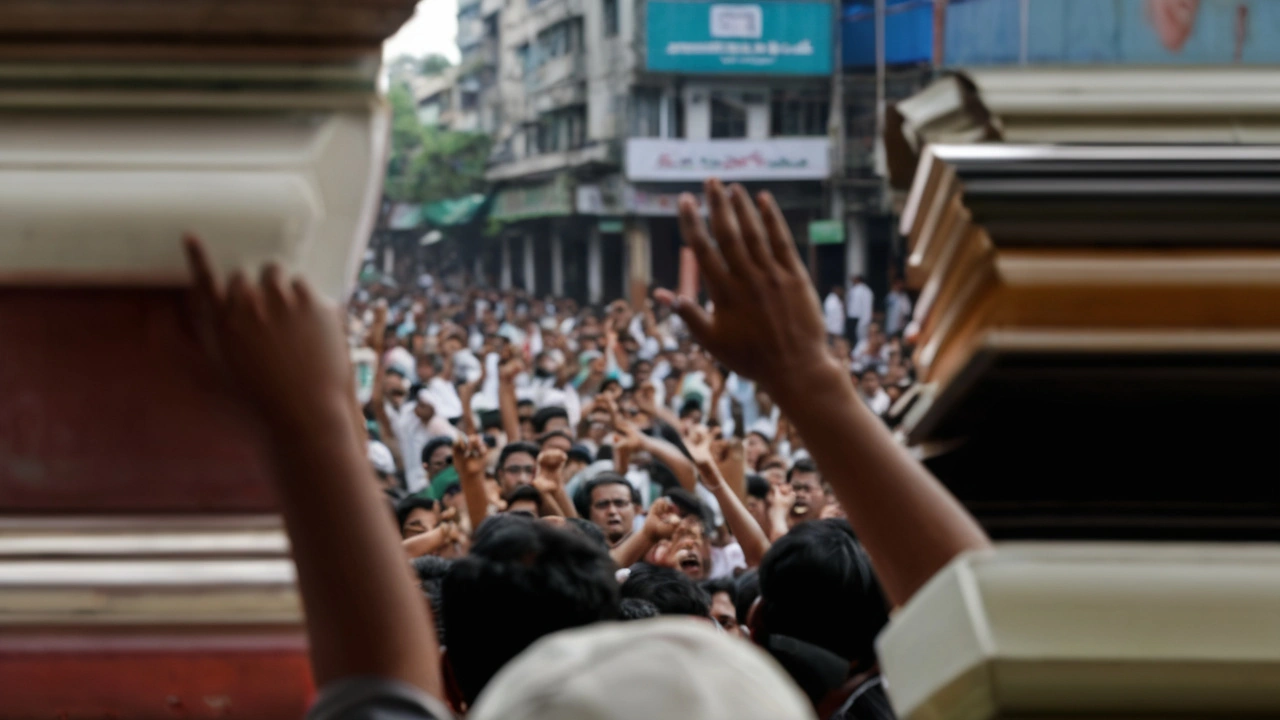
(835, 129)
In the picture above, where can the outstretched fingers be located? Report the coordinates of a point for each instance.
(753, 230)
(780, 242)
(204, 281)
(694, 230)
(727, 232)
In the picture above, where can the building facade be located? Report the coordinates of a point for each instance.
(604, 111)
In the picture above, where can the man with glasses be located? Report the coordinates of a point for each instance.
(613, 502)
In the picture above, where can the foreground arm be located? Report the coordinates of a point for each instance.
(745, 529)
(767, 325)
(284, 349)
(659, 525)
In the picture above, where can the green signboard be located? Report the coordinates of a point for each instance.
(826, 232)
(762, 38)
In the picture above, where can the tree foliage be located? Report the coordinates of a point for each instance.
(428, 164)
(434, 64)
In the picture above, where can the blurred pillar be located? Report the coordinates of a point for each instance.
(557, 265)
(595, 267)
(530, 277)
(504, 281)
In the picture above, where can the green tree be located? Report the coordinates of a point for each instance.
(434, 64)
(430, 164)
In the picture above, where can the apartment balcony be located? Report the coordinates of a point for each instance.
(546, 163)
(545, 13)
(555, 71)
(478, 56)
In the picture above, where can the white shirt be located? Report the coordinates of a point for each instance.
(443, 396)
(897, 312)
(833, 313)
(414, 436)
(724, 560)
(859, 302)
(879, 403)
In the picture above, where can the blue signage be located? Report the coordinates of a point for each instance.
(764, 38)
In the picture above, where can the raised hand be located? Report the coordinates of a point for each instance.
(510, 369)
(550, 461)
(662, 520)
(767, 324)
(469, 456)
(282, 345)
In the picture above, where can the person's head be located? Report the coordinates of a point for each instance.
(837, 290)
(755, 446)
(807, 484)
(637, 609)
(437, 455)
(453, 342)
(525, 499)
(817, 587)
(610, 388)
(578, 457)
(897, 285)
(672, 592)
(641, 371)
(556, 440)
(431, 570)
(395, 387)
(551, 579)
(588, 530)
(855, 279)
(869, 383)
(597, 425)
(429, 366)
(758, 499)
(517, 465)
(691, 411)
(613, 502)
(724, 597)
(550, 418)
(416, 515)
(424, 408)
(690, 551)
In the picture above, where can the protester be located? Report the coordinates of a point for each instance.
(756, 362)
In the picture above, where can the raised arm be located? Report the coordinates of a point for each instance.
(377, 341)
(468, 460)
(507, 402)
(550, 483)
(284, 349)
(659, 525)
(745, 529)
(767, 325)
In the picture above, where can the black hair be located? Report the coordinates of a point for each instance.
(721, 585)
(525, 403)
(431, 570)
(557, 579)
(637, 609)
(803, 465)
(406, 506)
(516, 447)
(525, 492)
(546, 415)
(757, 486)
(671, 591)
(581, 453)
(611, 478)
(490, 420)
(608, 383)
(433, 445)
(635, 364)
(690, 406)
(690, 504)
(817, 586)
(543, 438)
(589, 530)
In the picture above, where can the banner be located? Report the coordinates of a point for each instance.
(676, 160)
(765, 38)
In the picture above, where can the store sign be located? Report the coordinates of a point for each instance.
(547, 199)
(826, 232)
(785, 38)
(668, 160)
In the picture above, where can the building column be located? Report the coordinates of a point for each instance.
(477, 268)
(557, 264)
(530, 277)
(639, 261)
(595, 267)
(855, 248)
(504, 281)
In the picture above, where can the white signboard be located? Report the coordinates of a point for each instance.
(675, 160)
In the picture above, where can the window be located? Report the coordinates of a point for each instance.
(798, 114)
(646, 112)
(728, 117)
(560, 39)
(559, 130)
(610, 18)
(524, 58)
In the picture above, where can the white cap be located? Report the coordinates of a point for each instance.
(381, 459)
(642, 670)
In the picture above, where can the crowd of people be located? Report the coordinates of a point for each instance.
(691, 509)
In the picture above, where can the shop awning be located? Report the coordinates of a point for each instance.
(453, 212)
(553, 198)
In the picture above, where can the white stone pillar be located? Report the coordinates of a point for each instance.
(638, 273)
(504, 281)
(557, 265)
(855, 248)
(529, 275)
(477, 270)
(595, 267)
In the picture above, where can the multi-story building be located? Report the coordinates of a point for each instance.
(604, 111)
